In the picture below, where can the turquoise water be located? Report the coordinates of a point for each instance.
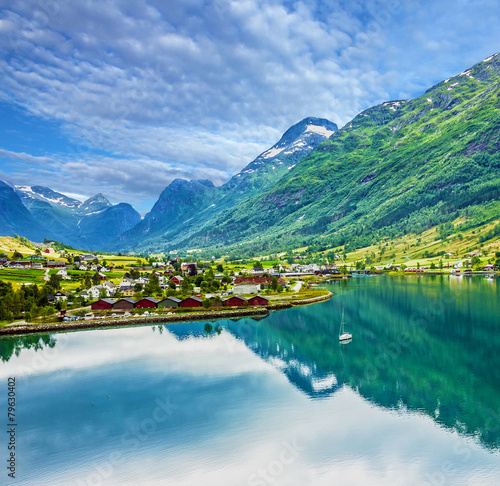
(414, 399)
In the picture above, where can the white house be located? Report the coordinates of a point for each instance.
(246, 289)
(126, 282)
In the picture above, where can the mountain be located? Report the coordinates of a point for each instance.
(94, 204)
(185, 207)
(90, 224)
(102, 226)
(402, 166)
(282, 157)
(39, 193)
(15, 218)
(177, 204)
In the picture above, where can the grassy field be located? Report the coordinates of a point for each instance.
(409, 250)
(20, 277)
(9, 245)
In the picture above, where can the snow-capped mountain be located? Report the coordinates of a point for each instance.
(185, 207)
(89, 224)
(30, 193)
(271, 165)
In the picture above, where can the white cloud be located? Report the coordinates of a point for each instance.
(198, 89)
(21, 156)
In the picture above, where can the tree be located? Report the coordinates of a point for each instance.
(220, 268)
(206, 303)
(258, 266)
(274, 283)
(17, 256)
(55, 281)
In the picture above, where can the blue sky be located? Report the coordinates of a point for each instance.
(121, 97)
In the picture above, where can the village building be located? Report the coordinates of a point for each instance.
(176, 279)
(19, 264)
(103, 304)
(147, 303)
(87, 257)
(172, 302)
(60, 296)
(56, 264)
(109, 284)
(235, 301)
(125, 283)
(126, 303)
(84, 294)
(189, 268)
(246, 289)
(258, 300)
(191, 302)
(94, 292)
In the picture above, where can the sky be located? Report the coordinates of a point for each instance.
(122, 97)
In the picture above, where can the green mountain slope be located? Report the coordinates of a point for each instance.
(399, 167)
(185, 207)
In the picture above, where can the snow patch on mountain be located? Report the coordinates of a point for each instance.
(272, 153)
(320, 130)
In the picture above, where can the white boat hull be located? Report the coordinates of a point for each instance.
(345, 336)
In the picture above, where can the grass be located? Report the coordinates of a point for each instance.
(409, 249)
(18, 277)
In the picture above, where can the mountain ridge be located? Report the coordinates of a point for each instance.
(397, 167)
(173, 216)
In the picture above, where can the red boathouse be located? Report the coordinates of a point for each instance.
(258, 300)
(235, 301)
(147, 303)
(191, 302)
(103, 304)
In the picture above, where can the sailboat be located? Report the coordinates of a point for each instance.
(344, 336)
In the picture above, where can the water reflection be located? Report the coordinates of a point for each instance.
(419, 343)
(211, 402)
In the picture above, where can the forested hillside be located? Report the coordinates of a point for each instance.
(399, 167)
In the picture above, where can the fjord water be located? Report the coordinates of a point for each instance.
(414, 399)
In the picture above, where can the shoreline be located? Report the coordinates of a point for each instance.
(14, 330)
